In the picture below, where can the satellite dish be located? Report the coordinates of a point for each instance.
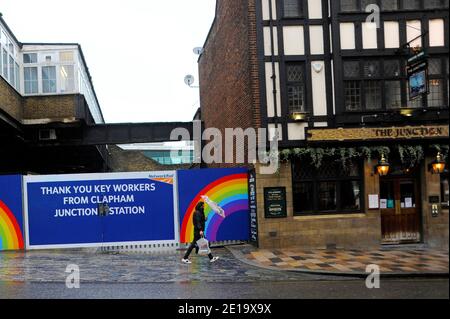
(189, 79)
(198, 50)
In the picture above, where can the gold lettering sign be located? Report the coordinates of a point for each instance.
(380, 133)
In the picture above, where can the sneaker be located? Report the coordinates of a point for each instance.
(214, 259)
(186, 261)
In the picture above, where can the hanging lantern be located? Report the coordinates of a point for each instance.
(438, 166)
(383, 166)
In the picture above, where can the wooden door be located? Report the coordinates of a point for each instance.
(400, 210)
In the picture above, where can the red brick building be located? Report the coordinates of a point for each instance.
(342, 93)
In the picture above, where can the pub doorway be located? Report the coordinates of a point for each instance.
(400, 205)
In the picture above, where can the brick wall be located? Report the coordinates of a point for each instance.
(320, 232)
(228, 68)
(55, 107)
(10, 100)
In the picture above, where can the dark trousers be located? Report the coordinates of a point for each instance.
(194, 245)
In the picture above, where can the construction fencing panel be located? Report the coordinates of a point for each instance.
(11, 220)
(228, 188)
(101, 210)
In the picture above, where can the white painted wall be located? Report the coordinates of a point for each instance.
(369, 35)
(294, 40)
(319, 88)
(315, 9)
(266, 11)
(332, 86)
(316, 36)
(437, 37)
(268, 41)
(391, 35)
(269, 89)
(296, 131)
(272, 130)
(347, 36)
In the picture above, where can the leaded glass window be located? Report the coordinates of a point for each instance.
(389, 5)
(296, 87)
(436, 96)
(351, 69)
(352, 95)
(293, 8)
(329, 189)
(372, 93)
(393, 94)
(411, 4)
(392, 68)
(371, 69)
(349, 5)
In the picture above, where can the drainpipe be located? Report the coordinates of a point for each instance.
(272, 59)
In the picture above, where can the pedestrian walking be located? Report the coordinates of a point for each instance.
(199, 221)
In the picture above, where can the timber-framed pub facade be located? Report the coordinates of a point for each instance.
(357, 92)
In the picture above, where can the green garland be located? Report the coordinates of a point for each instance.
(409, 155)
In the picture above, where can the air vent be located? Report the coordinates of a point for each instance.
(47, 135)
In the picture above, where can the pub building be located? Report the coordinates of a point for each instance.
(360, 109)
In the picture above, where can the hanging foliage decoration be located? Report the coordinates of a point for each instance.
(409, 155)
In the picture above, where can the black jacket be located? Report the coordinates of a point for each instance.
(199, 222)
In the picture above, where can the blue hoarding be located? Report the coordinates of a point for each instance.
(228, 188)
(65, 211)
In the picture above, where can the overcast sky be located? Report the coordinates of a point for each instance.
(138, 51)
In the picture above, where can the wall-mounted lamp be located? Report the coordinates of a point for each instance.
(299, 116)
(407, 112)
(438, 166)
(383, 166)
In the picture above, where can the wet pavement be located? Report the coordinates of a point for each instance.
(391, 261)
(41, 275)
(50, 266)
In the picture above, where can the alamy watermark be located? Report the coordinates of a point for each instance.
(374, 17)
(373, 279)
(234, 146)
(73, 279)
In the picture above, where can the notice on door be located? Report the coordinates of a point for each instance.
(374, 201)
(408, 202)
(275, 202)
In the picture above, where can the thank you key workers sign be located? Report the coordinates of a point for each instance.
(64, 211)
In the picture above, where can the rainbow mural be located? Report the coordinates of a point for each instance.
(11, 237)
(10, 233)
(230, 192)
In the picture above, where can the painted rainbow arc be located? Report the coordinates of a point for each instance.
(10, 234)
(229, 192)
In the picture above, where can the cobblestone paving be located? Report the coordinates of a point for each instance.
(390, 261)
(45, 266)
